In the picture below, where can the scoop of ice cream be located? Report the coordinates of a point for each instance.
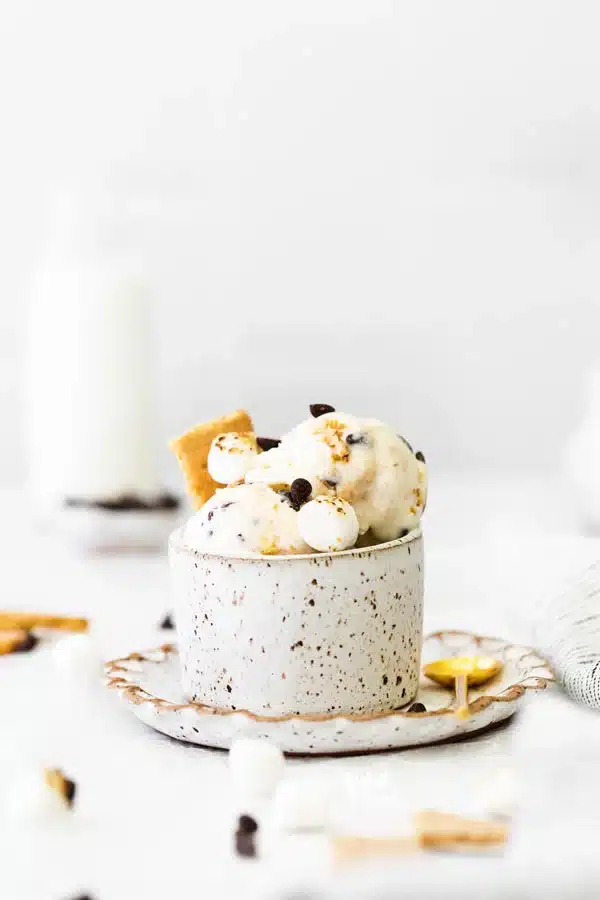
(231, 455)
(328, 524)
(246, 518)
(361, 461)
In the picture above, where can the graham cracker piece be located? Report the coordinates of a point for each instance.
(348, 847)
(191, 449)
(27, 621)
(16, 640)
(446, 831)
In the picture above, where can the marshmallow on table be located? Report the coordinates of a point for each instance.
(231, 455)
(328, 524)
(76, 658)
(256, 766)
(497, 792)
(30, 797)
(300, 805)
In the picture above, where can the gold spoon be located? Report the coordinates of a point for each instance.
(462, 672)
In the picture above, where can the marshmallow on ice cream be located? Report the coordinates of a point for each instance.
(361, 461)
(328, 524)
(246, 518)
(231, 455)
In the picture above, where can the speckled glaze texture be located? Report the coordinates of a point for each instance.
(150, 687)
(322, 634)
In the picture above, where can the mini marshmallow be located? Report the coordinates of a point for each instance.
(256, 766)
(497, 792)
(76, 658)
(230, 456)
(29, 796)
(301, 805)
(328, 524)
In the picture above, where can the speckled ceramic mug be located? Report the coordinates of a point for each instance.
(313, 634)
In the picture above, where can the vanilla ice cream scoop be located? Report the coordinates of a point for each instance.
(246, 519)
(231, 455)
(328, 524)
(361, 461)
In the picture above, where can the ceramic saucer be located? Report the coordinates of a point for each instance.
(149, 684)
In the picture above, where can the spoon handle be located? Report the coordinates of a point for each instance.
(462, 697)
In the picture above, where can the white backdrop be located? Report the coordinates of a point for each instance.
(389, 206)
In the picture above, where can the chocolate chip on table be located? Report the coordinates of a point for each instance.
(404, 441)
(267, 443)
(244, 845)
(247, 824)
(244, 836)
(167, 622)
(70, 790)
(28, 644)
(420, 456)
(300, 491)
(356, 439)
(417, 707)
(319, 409)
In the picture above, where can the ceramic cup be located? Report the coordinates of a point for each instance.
(303, 635)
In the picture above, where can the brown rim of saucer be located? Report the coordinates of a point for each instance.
(116, 680)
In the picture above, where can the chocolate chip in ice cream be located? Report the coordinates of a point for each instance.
(319, 409)
(267, 443)
(300, 491)
(356, 439)
(420, 456)
(167, 622)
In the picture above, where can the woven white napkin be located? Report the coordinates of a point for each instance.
(568, 635)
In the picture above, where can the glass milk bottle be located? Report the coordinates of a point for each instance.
(91, 431)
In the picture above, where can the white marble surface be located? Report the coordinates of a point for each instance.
(154, 817)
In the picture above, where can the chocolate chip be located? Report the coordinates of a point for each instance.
(417, 707)
(244, 836)
(247, 825)
(420, 456)
(404, 441)
(330, 482)
(70, 791)
(211, 513)
(226, 505)
(356, 439)
(27, 644)
(300, 491)
(82, 897)
(167, 622)
(241, 537)
(244, 845)
(267, 443)
(319, 409)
